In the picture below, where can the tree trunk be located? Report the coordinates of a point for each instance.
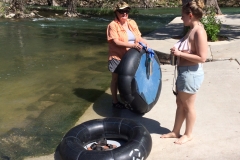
(71, 9)
(17, 6)
(54, 3)
(145, 4)
(214, 4)
(208, 3)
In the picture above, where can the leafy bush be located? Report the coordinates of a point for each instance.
(211, 24)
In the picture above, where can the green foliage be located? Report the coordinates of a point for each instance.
(2, 9)
(171, 3)
(211, 24)
(134, 11)
(57, 8)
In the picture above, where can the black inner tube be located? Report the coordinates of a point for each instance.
(133, 68)
(138, 140)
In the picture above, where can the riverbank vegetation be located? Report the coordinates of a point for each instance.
(23, 9)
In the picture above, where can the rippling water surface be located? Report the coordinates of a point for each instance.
(51, 70)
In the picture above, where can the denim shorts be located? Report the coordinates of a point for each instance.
(189, 78)
(112, 65)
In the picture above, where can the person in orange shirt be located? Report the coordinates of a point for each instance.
(122, 34)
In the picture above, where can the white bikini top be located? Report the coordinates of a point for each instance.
(183, 45)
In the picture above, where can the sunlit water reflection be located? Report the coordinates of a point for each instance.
(40, 55)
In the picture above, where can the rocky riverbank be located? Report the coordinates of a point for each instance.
(134, 3)
(103, 4)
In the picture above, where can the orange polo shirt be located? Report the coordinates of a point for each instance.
(115, 30)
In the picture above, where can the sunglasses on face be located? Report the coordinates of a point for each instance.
(122, 11)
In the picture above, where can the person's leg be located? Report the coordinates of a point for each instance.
(113, 87)
(188, 101)
(112, 66)
(179, 118)
(114, 91)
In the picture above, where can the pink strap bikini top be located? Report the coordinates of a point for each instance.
(183, 45)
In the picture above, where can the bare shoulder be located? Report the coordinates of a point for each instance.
(200, 31)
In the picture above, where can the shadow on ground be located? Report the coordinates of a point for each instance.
(87, 94)
(103, 108)
(230, 31)
(172, 30)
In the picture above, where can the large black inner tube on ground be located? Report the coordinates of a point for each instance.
(136, 89)
(138, 140)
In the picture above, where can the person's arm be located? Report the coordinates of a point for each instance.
(144, 41)
(126, 44)
(200, 41)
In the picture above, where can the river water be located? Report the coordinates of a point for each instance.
(51, 70)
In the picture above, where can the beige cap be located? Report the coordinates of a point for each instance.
(122, 5)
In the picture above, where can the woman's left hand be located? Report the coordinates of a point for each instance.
(137, 46)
